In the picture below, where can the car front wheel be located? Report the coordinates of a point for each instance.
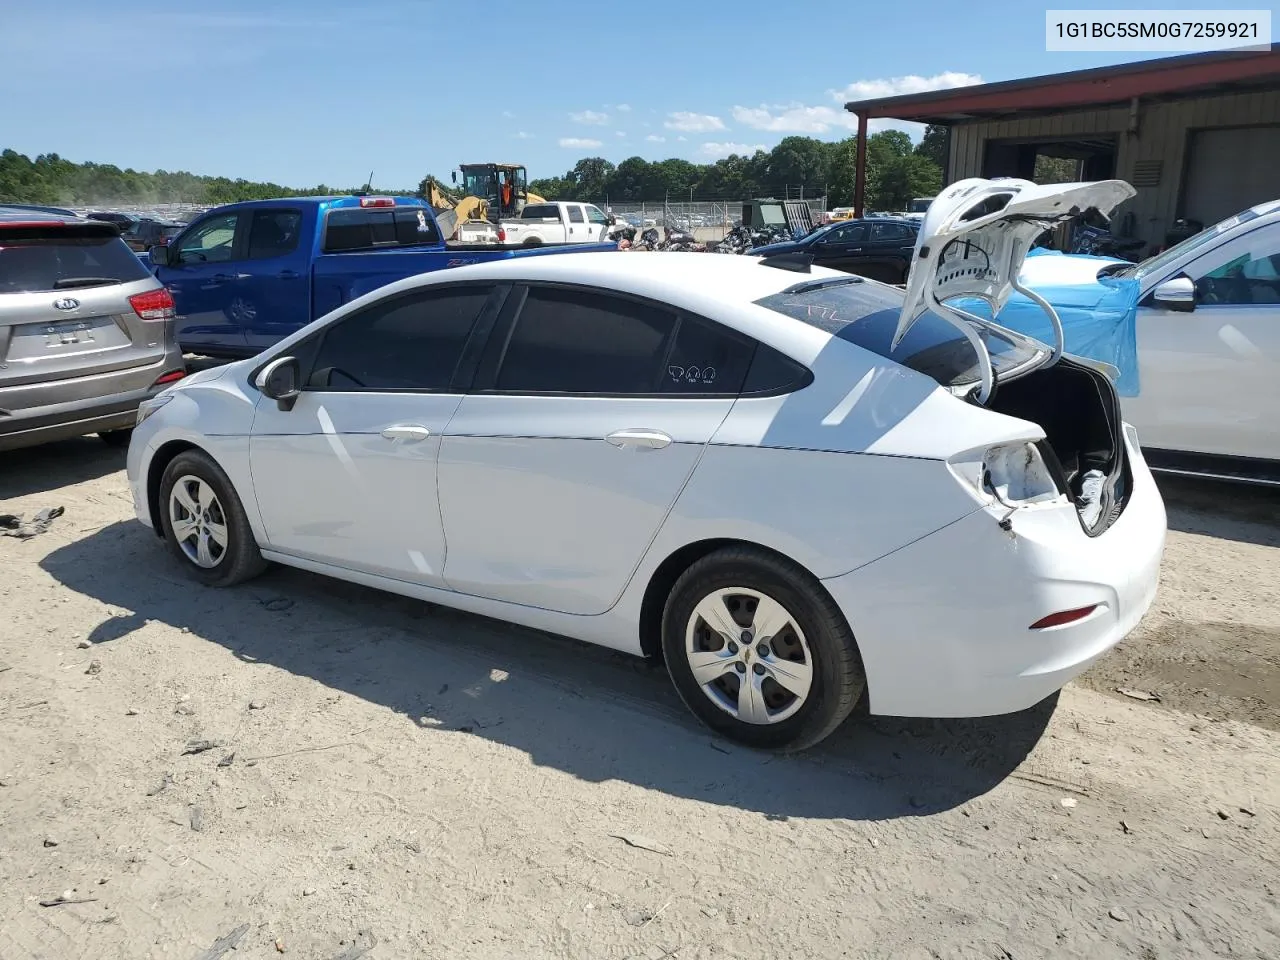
(205, 524)
(759, 651)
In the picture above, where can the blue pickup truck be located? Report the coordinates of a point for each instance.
(248, 274)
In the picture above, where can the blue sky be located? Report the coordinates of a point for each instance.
(322, 91)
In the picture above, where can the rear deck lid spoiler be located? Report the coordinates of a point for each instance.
(972, 243)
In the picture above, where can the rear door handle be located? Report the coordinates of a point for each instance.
(640, 439)
(406, 431)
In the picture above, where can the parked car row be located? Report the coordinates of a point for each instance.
(1006, 530)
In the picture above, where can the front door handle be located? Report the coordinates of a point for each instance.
(288, 274)
(640, 439)
(406, 431)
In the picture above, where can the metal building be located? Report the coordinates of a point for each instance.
(1198, 135)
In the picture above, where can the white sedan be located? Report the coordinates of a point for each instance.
(803, 489)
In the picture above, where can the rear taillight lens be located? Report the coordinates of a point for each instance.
(173, 376)
(502, 235)
(1063, 617)
(153, 305)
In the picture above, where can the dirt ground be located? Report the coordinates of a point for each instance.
(393, 780)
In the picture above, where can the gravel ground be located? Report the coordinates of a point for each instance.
(393, 780)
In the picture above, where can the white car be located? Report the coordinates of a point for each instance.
(721, 460)
(1208, 340)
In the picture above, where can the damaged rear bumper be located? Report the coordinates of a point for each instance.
(944, 624)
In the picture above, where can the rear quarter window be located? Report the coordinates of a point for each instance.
(366, 228)
(34, 259)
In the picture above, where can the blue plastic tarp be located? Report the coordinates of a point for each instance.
(1099, 316)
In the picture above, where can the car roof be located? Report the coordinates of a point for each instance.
(13, 215)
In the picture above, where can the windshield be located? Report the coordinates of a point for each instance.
(866, 314)
(480, 182)
(1161, 260)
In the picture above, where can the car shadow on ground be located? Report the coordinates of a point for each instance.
(593, 713)
(51, 466)
(1229, 511)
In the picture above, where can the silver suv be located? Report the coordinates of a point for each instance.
(86, 332)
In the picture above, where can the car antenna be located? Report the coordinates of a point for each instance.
(795, 262)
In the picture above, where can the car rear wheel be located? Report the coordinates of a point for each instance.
(116, 438)
(205, 523)
(759, 651)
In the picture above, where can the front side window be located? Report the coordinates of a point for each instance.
(213, 241)
(273, 233)
(851, 233)
(408, 342)
(1250, 277)
(585, 342)
(596, 215)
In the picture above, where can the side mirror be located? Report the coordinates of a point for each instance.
(613, 221)
(1177, 294)
(281, 381)
(453, 174)
(160, 255)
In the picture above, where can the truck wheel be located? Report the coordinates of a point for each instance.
(532, 242)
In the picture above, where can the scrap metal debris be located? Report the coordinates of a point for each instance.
(12, 525)
(62, 899)
(198, 746)
(643, 843)
(224, 944)
(1138, 694)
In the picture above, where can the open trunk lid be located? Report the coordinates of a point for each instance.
(972, 243)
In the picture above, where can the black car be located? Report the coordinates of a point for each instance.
(879, 249)
(145, 233)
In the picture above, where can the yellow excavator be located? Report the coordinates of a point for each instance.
(490, 192)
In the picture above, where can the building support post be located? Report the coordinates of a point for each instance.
(860, 166)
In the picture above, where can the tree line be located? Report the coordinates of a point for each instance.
(51, 180)
(897, 171)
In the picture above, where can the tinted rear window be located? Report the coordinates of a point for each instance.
(363, 228)
(866, 314)
(536, 211)
(34, 259)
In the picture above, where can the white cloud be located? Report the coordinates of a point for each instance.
(619, 133)
(623, 108)
(682, 138)
(578, 143)
(693, 122)
(823, 118)
(654, 138)
(794, 118)
(508, 115)
(898, 86)
(590, 117)
(522, 135)
(714, 151)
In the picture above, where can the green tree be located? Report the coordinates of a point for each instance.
(933, 145)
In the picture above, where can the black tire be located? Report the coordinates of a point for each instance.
(838, 681)
(116, 438)
(241, 559)
(532, 242)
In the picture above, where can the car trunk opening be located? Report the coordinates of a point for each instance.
(1079, 411)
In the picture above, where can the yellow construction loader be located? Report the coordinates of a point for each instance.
(490, 192)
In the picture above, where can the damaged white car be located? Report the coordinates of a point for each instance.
(803, 489)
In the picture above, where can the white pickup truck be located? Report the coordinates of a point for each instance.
(557, 222)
